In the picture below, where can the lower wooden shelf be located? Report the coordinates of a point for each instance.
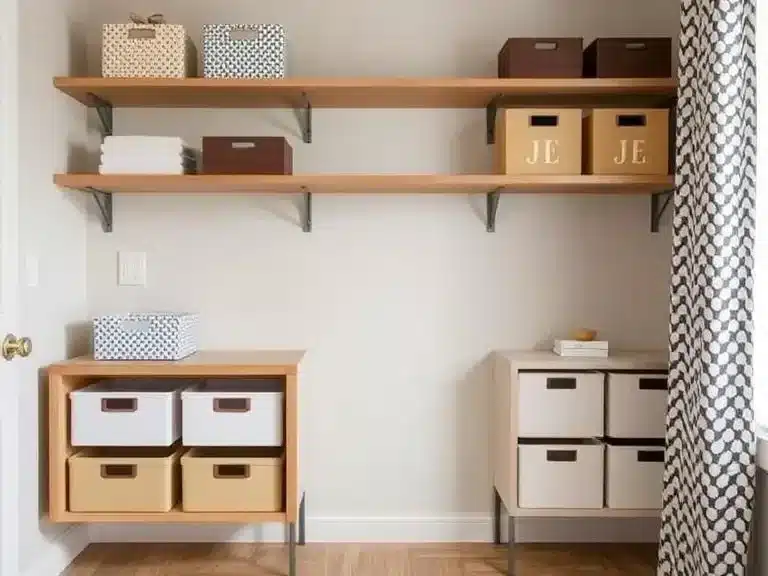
(364, 183)
(177, 515)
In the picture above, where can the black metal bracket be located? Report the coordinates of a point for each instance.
(104, 203)
(104, 111)
(304, 114)
(490, 119)
(659, 203)
(306, 217)
(491, 207)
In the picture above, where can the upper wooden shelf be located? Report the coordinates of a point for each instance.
(367, 92)
(364, 183)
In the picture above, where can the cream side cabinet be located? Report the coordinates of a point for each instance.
(576, 437)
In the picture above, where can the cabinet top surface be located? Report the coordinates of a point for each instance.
(203, 363)
(617, 360)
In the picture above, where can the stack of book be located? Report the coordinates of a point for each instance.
(581, 349)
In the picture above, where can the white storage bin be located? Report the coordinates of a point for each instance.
(637, 405)
(146, 50)
(560, 475)
(244, 51)
(127, 413)
(145, 336)
(560, 405)
(634, 477)
(233, 412)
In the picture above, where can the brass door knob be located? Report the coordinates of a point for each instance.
(13, 347)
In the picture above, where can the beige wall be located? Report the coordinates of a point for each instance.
(53, 232)
(398, 299)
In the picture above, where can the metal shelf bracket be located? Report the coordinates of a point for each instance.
(306, 217)
(490, 119)
(104, 111)
(304, 114)
(104, 203)
(491, 207)
(659, 203)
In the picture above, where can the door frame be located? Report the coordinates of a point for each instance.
(9, 276)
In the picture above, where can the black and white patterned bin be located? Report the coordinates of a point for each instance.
(244, 51)
(145, 336)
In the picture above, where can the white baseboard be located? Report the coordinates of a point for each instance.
(60, 553)
(388, 530)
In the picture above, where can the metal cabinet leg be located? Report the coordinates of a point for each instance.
(292, 549)
(511, 548)
(496, 517)
(303, 520)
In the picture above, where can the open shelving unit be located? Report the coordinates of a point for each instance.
(304, 94)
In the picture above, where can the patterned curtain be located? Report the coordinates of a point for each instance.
(709, 477)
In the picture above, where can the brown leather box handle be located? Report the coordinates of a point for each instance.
(243, 145)
(561, 383)
(650, 455)
(543, 120)
(142, 34)
(119, 404)
(652, 384)
(234, 471)
(631, 120)
(109, 471)
(636, 46)
(239, 405)
(561, 455)
(545, 46)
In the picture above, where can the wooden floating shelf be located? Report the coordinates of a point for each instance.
(364, 183)
(177, 515)
(584, 513)
(367, 92)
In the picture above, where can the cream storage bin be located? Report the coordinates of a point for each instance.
(634, 477)
(232, 480)
(233, 412)
(560, 475)
(147, 51)
(127, 413)
(637, 405)
(140, 480)
(244, 51)
(560, 405)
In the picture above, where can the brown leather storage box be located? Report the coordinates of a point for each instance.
(541, 58)
(629, 58)
(247, 155)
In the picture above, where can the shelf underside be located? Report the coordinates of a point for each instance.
(173, 517)
(584, 513)
(365, 183)
(369, 92)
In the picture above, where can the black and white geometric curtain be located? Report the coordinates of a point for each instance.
(709, 476)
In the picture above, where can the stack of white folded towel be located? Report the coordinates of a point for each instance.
(146, 155)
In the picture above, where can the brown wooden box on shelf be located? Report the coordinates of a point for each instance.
(232, 479)
(124, 480)
(625, 141)
(538, 141)
(541, 58)
(247, 155)
(628, 58)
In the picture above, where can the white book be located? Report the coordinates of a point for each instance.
(572, 353)
(581, 345)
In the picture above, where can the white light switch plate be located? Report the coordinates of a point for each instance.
(132, 269)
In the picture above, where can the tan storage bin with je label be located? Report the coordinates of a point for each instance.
(538, 141)
(140, 480)
(232, 480)
(627, 141)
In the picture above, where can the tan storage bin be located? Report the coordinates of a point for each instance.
(139, 480)
(232, 480)
(538, 141)
(624, 141)
(147, 51)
